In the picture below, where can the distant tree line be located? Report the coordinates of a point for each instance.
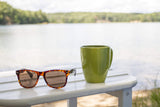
(102, 17)
(10, 15)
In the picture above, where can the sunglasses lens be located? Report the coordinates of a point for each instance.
(56, 78)
(28, 78)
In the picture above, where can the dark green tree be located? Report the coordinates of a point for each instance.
(10, 15)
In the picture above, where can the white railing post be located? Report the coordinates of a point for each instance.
(124, 97)
(72, 102)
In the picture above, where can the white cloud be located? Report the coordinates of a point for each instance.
(88, 5)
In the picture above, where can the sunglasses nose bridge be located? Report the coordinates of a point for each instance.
(41, 73)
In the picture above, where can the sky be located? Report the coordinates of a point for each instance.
(52, 6)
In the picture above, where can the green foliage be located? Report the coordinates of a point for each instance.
(141, 100)
(151, 100)
(10, 15)
(155, 97)
(97, 17)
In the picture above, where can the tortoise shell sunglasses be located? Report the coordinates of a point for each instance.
(54, 78)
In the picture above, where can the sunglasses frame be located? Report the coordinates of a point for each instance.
(67, 72)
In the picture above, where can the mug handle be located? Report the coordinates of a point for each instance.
(111, 57)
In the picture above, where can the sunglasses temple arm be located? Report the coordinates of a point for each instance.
(74, 70)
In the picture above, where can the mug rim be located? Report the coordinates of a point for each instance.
(94, 46)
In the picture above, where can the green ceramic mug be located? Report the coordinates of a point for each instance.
(96, 61)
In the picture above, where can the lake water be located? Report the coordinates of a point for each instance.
(136, 46)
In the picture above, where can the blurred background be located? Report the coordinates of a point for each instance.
(38, 33)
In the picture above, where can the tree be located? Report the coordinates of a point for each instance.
(10, 15)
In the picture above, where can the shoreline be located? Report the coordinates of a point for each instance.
(75, 23)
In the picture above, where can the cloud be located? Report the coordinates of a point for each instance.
(144, 6)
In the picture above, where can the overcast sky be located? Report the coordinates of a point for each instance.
(139, 6)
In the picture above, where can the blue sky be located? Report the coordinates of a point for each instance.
(49, 6)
